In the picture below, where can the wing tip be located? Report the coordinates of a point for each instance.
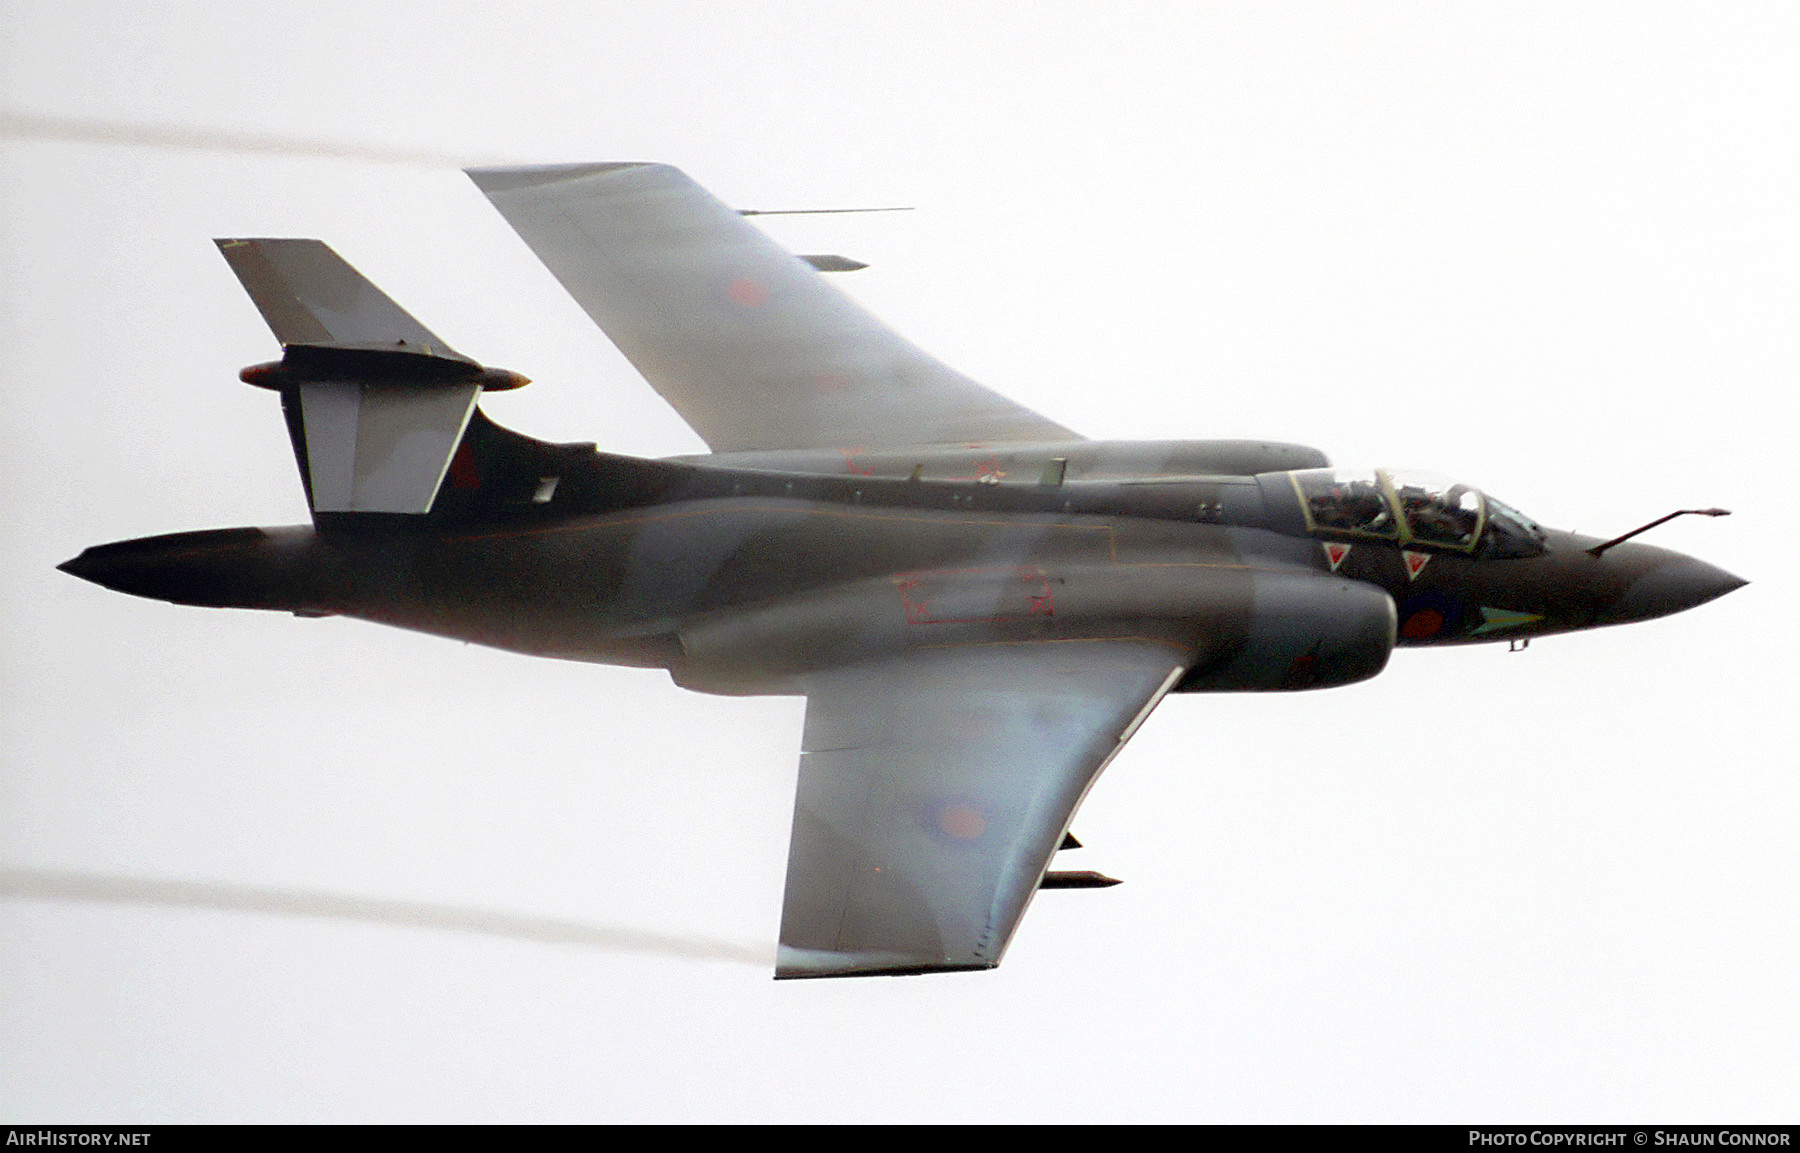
(229, 242)
(506, 178)
(792, 964)
(892, 971)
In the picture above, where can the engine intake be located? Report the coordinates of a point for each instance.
(1303, 632)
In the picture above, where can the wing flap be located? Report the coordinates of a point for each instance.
(934, 789)
(746, 340)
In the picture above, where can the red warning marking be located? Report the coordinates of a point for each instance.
(827, 383)
(918, 609)
(1422, 625)
(977, 595)
(1041, 603)
(463, 473)
(746, 292)
(1415, 562)
(986, 470)
(850, 455)
(1335, 552)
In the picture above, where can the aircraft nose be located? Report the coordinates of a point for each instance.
(1670, 587)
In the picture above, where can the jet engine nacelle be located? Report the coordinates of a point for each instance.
(1246, 629)
(1302, 632)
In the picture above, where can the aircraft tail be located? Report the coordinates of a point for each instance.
(376, 403)
(309, 295)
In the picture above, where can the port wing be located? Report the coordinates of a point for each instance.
(934, 789)
(746, 340)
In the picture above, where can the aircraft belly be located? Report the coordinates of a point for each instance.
(980, 606)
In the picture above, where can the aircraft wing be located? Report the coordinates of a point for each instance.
(744, 339)
(934, 789)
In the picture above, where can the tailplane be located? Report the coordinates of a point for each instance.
(376, 402)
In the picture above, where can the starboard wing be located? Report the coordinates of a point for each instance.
(744, 339)
(934, 789)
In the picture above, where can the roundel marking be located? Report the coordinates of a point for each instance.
(1430, 614)
(962, 822)
(1422, 625)
(747, 293)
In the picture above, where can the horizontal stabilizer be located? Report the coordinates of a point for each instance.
(381, 400)
(309, 295)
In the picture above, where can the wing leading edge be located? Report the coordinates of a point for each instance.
(934, 789)
(743, 338)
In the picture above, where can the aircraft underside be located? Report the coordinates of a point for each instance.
(980, 606)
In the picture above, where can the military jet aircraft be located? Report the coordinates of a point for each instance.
(980, 606)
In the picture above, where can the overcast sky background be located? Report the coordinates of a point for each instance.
(1549, 249)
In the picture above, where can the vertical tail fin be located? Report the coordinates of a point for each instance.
(377, 403)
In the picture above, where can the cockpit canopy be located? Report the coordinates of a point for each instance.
(1413, 508)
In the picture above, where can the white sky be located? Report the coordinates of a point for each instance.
(1550, 249)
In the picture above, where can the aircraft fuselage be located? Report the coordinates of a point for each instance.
(743, 579)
